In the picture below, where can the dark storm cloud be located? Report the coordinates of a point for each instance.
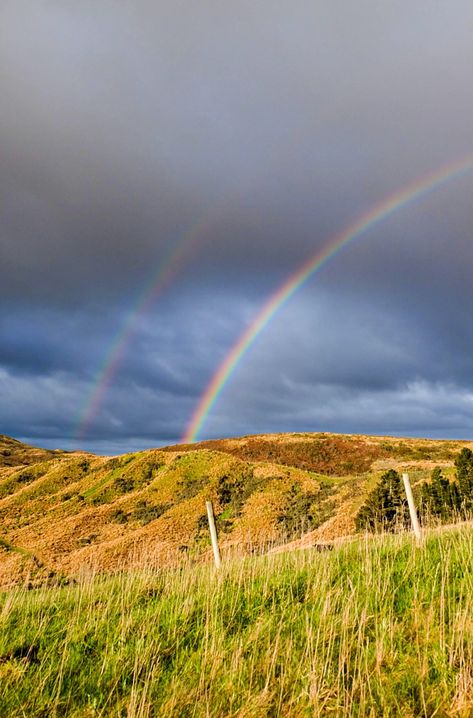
(49, 379)
(269, 126)
(123, 125)
(338, 366)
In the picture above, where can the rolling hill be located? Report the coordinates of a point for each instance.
(15, 453)
(63, 514)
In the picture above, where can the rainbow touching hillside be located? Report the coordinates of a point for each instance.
(379, 213)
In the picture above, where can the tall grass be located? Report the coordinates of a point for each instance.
(378, 627)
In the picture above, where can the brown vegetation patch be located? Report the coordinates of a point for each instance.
(326, 454)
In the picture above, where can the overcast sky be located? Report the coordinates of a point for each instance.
(243, 136)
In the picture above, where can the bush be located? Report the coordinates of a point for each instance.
(385, 508)
(119, 516)
(123, 485)
(145, 512)
(440, 498)
(464, 478)
(301, 512)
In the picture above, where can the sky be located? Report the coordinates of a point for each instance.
(166, 166)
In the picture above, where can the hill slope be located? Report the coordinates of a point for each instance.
(63, 513)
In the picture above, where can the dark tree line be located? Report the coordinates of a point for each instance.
(386, 508)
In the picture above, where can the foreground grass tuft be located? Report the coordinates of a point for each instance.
(377, 627)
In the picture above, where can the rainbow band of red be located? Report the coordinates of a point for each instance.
(362, 224)
(168, 269)
(175, 260)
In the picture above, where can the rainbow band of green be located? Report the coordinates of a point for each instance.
(168, 269)
(162, 278)
(366, 221)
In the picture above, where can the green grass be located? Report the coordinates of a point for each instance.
(378, 627)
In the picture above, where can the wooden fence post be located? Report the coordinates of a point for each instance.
(412, 507)
(213, 534)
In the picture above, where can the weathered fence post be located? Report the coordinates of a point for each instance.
(213, 534)
(412, 507)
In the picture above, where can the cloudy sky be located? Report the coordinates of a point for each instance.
(165, 166)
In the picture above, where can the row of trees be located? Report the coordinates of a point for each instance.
(386, 507)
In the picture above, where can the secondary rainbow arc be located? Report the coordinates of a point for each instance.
(168, 269)
(162, 278)
(377, 214)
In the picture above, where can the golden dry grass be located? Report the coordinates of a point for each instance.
(61, 513)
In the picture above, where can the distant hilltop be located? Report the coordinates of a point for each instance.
(16, 453)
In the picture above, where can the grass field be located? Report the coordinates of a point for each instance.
(376, 627)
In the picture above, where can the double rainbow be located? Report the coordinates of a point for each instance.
(362, 224)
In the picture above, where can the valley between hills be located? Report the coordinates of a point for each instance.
(63, 514)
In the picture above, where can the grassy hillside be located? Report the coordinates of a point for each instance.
(62, 514)
(375, 627)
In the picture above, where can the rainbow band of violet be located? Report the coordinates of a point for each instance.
(377, 214)
(167, 271)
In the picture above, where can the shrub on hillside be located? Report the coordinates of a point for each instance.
(464, 479)
(235, 489)
(440, 498)
(190, 486)
(301, 512)
(119, 516)
(385, 509)
(145, 512)
(449, 500)
(123, 484)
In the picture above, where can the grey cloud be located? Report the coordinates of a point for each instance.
(331, 363)
(123, 126)
(260, 129)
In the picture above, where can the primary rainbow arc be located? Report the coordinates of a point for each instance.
(362, 224)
